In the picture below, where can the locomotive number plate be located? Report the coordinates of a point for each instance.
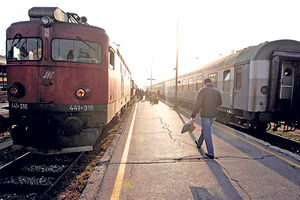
(81, 108)
(21, 106)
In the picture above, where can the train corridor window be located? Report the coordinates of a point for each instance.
(199, 82)
(191, 84)
(24, 49)
(239, 75)
(76, 51)
(214, 78)
(226, 81)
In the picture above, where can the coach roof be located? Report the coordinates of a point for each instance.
(261, 51)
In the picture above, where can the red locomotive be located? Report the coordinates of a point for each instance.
(65, 81)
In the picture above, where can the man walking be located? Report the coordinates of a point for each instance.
(209, 98)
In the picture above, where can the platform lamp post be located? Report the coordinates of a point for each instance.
(176, 69)
(151, 79)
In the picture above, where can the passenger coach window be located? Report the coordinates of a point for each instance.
(239, 75)
(178, 85)
(226, 81)
(214, 78)
(76, 51)
(183, 84)
(199, 82)
(191, 84)
(24, 49)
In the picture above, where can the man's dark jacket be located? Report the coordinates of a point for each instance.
(209, 98)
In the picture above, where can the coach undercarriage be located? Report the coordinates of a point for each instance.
(258, 121)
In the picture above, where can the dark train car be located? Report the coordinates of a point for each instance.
(259, 85)
(65, 81)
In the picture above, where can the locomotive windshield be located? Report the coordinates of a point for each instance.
(76, 51)
(24, 49)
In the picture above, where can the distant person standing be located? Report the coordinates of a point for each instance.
(209, 98)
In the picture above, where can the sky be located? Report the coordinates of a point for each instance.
(146, 29)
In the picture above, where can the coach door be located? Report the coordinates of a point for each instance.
(296, 88)
(289, 85)
(286, 81)
(240, 91)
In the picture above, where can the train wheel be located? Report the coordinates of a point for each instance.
(223, 118)
(259, 127)
(269, 126)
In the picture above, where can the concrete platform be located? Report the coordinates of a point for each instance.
(153, 160)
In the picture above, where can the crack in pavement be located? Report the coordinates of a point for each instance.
(246, 158)
(169, 132)
(234, 180)
(186, 159)
(129, 185)
(130, 175)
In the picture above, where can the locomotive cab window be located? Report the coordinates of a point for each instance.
(24, 49)
(76, 51)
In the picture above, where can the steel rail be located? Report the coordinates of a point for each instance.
(42, 196)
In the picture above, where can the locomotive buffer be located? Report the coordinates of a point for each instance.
(153, 160)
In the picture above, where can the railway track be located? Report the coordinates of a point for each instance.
(33, 176)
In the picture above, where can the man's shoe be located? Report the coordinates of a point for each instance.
(198, 146)
(210, 156)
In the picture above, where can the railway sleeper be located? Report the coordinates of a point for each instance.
(22, 188)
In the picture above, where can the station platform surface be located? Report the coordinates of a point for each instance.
(153, 160)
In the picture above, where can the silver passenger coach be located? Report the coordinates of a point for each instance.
(259, 84)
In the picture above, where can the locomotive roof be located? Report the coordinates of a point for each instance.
(262, 51)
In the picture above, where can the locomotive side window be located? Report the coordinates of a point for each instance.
(112, 58)
(214, 78)
(226, 81)
(24, 49)
(239, 75)
(199, 82)
(76, 51)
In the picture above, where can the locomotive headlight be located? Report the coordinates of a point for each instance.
(264, 89)
(46, 21)
(13, 90)
(16, 90)
(80, 93)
